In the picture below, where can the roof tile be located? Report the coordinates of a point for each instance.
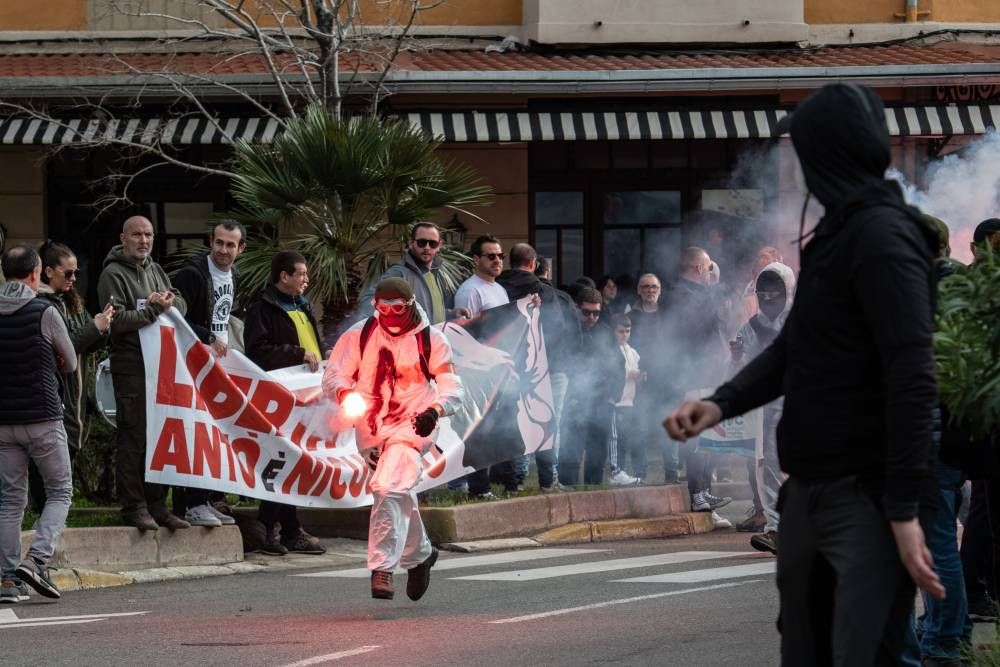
(90, 65)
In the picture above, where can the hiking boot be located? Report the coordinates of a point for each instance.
(765, 542)
(13, 591)
(419, 578)
(382, 585)
(304, 543)
(754, 523)
(172, 522)
(271, 546)
(202, 515)
(224, 518)
(720, 522)
(37, 576)
(140, 519)
(622, 478)
(555, 488)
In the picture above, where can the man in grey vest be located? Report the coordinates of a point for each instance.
(34, 349)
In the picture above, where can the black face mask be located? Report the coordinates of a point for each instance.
(771, 295)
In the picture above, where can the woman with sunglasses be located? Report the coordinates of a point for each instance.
(59, 277)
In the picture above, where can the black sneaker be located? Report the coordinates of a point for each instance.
(304, 543)
(715, 502)
(765, 542)
(271, 546)
(37, 576)
(382, 585)
(419, 578)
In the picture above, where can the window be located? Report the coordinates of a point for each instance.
(559, 233)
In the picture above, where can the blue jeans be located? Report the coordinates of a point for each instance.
(945, 626)
(548, 460)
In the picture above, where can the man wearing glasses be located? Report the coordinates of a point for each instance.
(481, 291)
(594, 386)
(420, 267)
(381, 371)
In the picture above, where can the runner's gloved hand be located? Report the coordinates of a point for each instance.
(424, 423)
(371, 456)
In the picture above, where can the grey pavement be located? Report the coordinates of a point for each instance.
(711, 601)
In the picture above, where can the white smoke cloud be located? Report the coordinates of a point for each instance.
(962, 189)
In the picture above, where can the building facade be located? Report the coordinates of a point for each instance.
(611, 140)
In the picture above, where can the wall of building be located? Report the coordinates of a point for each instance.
(22, 194)
(505, 168)
(675, 21)
(884, 11)
(97, 15)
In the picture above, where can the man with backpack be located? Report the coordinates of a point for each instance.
(401, 368)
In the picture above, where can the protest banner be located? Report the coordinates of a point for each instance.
(226, 425)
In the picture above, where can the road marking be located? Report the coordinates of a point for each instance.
(8, 619)
(602, 566)
(330, 657)
(466, 561)
(610, 603)
(712, 574)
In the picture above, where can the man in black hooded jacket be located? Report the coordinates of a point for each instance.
(856, 366)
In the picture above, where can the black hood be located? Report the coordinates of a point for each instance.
(519, 283)
(842, 142)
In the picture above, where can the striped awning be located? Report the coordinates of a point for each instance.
(498, 126)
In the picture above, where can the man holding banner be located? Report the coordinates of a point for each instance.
(393, 372)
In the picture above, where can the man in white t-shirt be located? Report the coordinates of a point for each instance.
(209, 282)
(626, 437)
(482, 291)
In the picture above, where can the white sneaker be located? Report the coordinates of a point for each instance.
(720, 521)
(622, 478)
(202, 515)
(223, 518)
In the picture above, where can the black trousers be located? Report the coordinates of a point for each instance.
(271, 513)
(585, 441)
(980, 552)
(845, 597)
(134, 493)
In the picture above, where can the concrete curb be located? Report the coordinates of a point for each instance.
(516, 517)
(122, 548)
(689, 523)
(70, 579)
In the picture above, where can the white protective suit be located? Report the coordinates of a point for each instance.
(394, 387)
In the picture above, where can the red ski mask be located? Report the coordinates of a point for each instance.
(396, 306)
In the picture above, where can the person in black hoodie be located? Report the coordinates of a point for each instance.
(855, 363)
(281, 332)
(561, 331)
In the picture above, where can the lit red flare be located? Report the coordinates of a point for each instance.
(354, 405)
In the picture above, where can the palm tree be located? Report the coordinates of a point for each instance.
(345, 193)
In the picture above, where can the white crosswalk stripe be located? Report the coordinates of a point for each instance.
(458, 562)
(711, 574)
(601, 566)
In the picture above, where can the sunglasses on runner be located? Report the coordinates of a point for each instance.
(423, 243)
(392, 306)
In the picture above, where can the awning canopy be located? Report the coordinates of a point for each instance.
(497, 126)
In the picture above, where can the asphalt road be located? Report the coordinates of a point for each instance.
(699, 600)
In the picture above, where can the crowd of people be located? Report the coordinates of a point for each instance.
(858, 471)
